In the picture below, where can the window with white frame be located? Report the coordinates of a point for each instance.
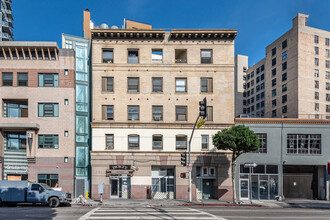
(205, 142)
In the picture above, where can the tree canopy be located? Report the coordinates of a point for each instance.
(239, 139)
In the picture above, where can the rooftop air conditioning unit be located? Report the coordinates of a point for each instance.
(157, 118)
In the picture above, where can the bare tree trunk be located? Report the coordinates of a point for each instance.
(233, 177)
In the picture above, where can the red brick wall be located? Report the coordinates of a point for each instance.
(64, 81)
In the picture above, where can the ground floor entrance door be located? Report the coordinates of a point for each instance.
(207, 188)
(114, 188)
(244, 189)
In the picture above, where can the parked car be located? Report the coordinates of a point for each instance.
(13, 192)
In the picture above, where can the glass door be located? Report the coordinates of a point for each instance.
(244, 189)
(263, 189)
(114, 188)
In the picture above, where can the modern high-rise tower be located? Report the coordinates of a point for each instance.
(6, 21)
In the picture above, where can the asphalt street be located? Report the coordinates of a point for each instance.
(230, 213)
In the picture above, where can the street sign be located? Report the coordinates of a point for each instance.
(189, 168)
(247, 165)
(200, 122)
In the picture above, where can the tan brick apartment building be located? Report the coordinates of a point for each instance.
(146, 88)
(297, 75)
(37, 122)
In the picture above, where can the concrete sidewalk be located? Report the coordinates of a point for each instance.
(288, 203)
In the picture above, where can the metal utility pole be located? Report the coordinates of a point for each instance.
(203, 114)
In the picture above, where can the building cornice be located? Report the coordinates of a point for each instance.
(280, 121)
(140, 125)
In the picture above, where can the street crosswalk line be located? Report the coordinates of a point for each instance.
(147, 213)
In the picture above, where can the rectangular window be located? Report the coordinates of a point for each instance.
(107, 84)
(133, 113)
(274, 113)
(273, 103)
(107, 112)
(284, 88)
(107, 55)
(263, 143)
(157, 56)
(49, 141)
(207, 85)
(327, 108)
(157, 113)
(180, 84)
(15, 140)
(206, 56)
(316, 50)
(180, 56)
(327, 64)
(22, 79)
(274, 61)
(317, 84)
(163, 181)
(262, 67)
(48, 79)
(133, 84)
(157, 84)
(133, 141)
(284, 98)
(157, 142)
(262, 77)
(284, 77)
(181, 113)
(273, 72)
(327, 43)
(49, 179)
(273, 92)
(48, 110)
(273, 51)
(133, 56)
(258, 79)
(317, 107)
(205, 142)
(284, 44)
(109, 139)
(316, 62)
(209, 113)
(284, 55)
(316, 39)
(66, 72)
(15, 109)
(316, 73)
(284, 109)
(317, 96)
(7, 79)
(274, 82)
(284, 66)
(327, 53)
(327, 86)
(304, 144)
(181, 142)
(327, 97)
(327, 75)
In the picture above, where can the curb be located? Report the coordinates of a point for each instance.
(215, 204)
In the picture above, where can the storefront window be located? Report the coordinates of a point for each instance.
(49, 179)
(262, 182)
(162, 182)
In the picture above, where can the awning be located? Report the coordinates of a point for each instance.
(19, 126)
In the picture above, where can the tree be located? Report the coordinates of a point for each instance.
(238, 139)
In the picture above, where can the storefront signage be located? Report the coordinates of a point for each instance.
(120, 167)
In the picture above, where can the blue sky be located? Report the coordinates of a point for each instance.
(259, 22)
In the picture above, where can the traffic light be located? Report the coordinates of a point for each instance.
(184, 159)
(183, 175)
(203, 108)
